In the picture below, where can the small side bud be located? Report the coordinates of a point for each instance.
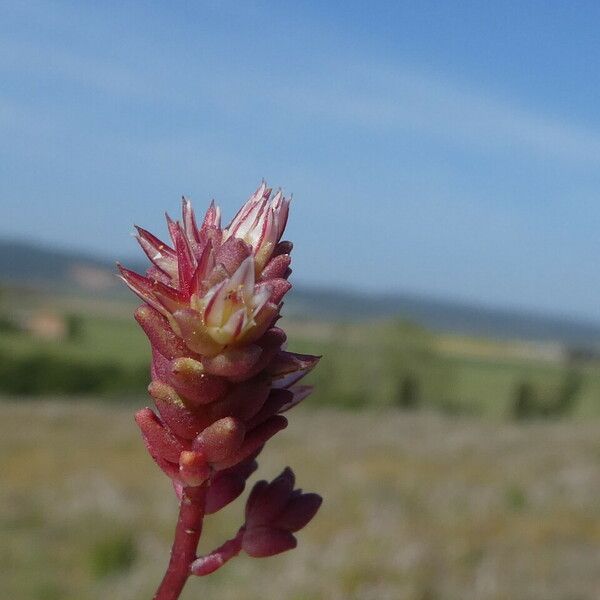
(193, 468)
(266, 504)
(273, 512)
(299, 512)
(261, 542)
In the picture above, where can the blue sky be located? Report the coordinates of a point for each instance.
(444, 148)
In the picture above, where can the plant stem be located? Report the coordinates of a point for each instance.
(205, 565)
(187, 535)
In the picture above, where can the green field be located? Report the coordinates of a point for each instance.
(417, 507)
(376, 363)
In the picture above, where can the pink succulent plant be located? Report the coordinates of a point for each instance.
(221, 377)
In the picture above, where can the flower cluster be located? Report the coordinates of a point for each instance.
(220, 374)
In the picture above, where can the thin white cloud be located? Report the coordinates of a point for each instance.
(372, 97)
(403, 100)
(63, 65)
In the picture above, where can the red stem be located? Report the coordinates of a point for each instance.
(187, 535)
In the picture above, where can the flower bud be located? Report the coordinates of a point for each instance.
(193, 468)
(261, 222)
(193, 333)
(268, 502)
(270, 344)
(254, 440)
(160, 334)
(159, 441)
(273, 512)
(228, 484)
(232, 253)
(223, 490)
(221, 439)
(195, 386)
(277, 267)
(159, 367)
(236, 363)
(284, 247)
(174, 413)
(244, 399)
(275, 402)
(263, 541)
(298, 512)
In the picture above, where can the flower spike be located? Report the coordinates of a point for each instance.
(220, 376)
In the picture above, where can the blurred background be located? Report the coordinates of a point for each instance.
(444, 159)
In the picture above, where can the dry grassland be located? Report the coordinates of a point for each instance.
(417, 507)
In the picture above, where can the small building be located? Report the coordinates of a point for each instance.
(46, 325)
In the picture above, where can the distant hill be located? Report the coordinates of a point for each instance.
(23, 262)
(66, 271)
(446, 315)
